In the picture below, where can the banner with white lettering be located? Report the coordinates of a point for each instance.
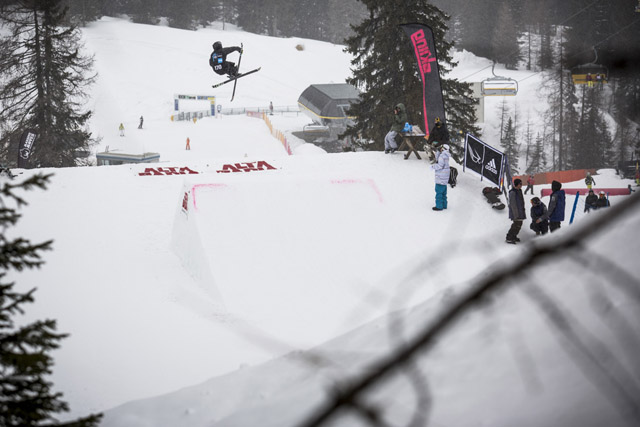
(27, 141)
(424, 47)
(483, 159)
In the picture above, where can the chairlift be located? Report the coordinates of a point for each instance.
(590, 73)
(498, 85)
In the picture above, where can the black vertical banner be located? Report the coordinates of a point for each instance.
(424, 47)
(484, 160)
(27, 141)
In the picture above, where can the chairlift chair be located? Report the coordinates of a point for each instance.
(498, 85)
(579, 73)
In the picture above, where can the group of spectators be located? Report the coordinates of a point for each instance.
(544, 218)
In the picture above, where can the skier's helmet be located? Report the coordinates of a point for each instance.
(445, 147)
(217, 46)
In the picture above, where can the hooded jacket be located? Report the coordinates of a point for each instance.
(555, 212)
(399, 119)
(442, 167)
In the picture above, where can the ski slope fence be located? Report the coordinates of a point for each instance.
(276, 133)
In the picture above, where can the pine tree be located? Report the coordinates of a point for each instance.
(594, 147)
(43, 83)
(538, 160)
(504, 42)
(510, 145)
(26, 397)
(384, 69)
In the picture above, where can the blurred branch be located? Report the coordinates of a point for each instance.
(503, 275)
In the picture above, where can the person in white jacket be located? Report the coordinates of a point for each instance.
(442, 177)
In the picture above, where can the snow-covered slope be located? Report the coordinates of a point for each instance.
(310, 252)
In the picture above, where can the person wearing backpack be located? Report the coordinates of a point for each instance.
(442, 169)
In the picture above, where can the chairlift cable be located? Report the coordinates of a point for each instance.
(582, 51)
(516, 51)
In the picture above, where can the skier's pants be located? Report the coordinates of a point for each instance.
(390, 140)
(441, 196)
(516, 225)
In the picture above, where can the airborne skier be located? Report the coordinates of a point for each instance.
(218, 60)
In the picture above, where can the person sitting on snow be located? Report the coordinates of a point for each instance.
(218, 60)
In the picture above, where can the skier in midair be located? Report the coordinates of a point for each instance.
(218, 60)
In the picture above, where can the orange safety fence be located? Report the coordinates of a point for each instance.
(277, 134)
(560, 176)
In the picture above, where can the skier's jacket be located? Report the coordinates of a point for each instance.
(399, 119)
(218, 58)
(556, 203)
(442, 167)
(516, 205)
(538, 212)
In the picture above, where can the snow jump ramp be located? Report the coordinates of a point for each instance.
(287, 253)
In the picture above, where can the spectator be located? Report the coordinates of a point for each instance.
(530, 181)
(538, 210)
(590, 201)
(442, 177)
(399, 119)
(555, 212)
(589, 181)
(188, 146)
(141, 120)
(270, 108)
(439, 134)
(121, 129)
(602, 201)
(517, 212)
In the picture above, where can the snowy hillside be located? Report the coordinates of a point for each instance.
(199, 310)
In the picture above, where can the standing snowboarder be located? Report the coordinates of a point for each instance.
(442, 177)
(218, 60)
(517, 212)
(555, 212)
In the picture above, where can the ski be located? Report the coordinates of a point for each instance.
(233, 94)
(235, 78)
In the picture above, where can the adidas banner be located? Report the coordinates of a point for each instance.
(26, 147)
(424, 47)
(483, 159)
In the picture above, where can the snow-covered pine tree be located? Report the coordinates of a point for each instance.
(504, 41)
(26, 397)
(44, 76)
(593, 147)
(510, 145)
(537, 161)
(384, 69)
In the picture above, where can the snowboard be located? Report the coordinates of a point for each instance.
(491, 194)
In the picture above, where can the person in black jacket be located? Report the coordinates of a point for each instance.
(517, 211)
(590, 201)
(538, 210)
(555, 212)
(602, 201)
(218, 60)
